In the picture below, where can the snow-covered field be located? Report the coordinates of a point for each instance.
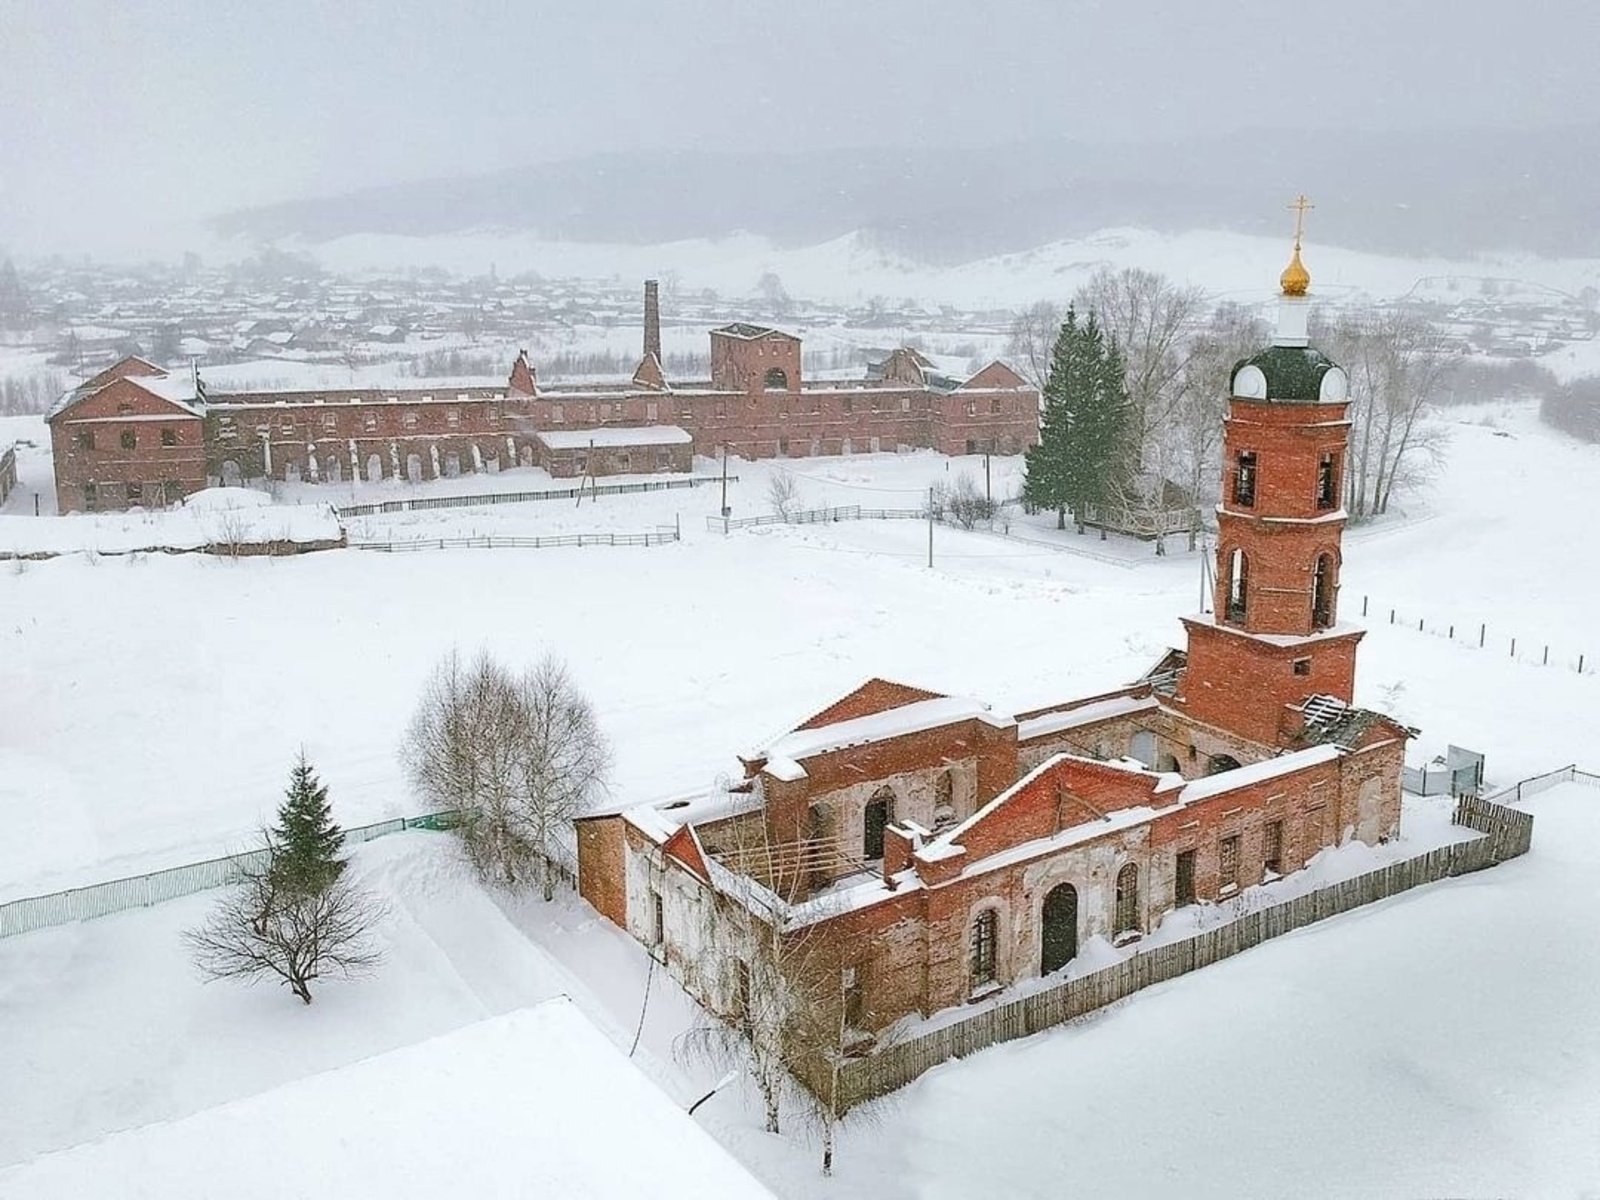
(151, 708)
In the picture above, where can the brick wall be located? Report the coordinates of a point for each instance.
(123, 435)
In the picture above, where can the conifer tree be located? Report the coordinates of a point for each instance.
(1045, 479)
(1097, 450)
(305, 842)
(1083, 433)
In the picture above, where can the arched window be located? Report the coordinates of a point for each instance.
(1238, 585)
(1219, 763)
(776, 380)
(1127, 916)
(944, 807)
(875, 819)
(1322, 593)
(985, 936)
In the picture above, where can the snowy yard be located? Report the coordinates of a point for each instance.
(1436, 1043)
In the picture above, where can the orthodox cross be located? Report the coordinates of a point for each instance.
(1300, 205)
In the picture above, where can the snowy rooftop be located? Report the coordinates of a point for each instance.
(784, 755)
(569, 1117)
(1083, 714)
(613, 437)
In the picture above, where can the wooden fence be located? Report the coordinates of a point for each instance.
(496, 542)
(572, 493)
(897, 1064)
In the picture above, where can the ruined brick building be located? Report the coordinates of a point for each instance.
(947, 851)
(138, 435)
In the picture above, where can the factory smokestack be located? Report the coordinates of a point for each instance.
(652, 320)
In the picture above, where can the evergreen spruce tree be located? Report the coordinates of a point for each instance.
(305, 842)
(1083, 435)
(1097, 455)
(1045, 479)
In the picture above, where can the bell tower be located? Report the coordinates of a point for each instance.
(1274, 637)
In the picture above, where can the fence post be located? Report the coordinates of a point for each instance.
(1452, 633)
(1483, 631)
(1419, 624)
(1547, 655)
(1513, 647)
(1580, 664)
(1363, 606)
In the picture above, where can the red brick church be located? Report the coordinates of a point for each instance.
(949, 852)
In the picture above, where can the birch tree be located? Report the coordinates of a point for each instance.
(1398, 362)
(517, 757)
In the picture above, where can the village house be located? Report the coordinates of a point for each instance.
(755, 404)
(945, 851)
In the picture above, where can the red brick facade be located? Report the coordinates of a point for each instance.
(756, 405)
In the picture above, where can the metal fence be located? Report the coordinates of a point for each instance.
(660, 538)
(817, 516)
(138, 891)
(1543, 783)
(1459, 774)
(602, 489)
(897, 1064)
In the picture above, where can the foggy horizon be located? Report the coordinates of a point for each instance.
(130, 124)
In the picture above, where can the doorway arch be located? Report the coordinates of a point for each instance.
(1058, 928)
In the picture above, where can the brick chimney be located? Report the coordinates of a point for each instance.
(652, 319)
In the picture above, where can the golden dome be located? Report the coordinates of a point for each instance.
(1295, 278)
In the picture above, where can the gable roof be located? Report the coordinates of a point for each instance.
(995, 375)
(874, 696)
(180, 391)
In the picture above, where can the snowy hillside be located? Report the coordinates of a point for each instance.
(853, 268)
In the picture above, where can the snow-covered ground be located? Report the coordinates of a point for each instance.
(515, 1105)
(151, 708)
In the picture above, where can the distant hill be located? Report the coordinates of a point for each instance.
(1450, 193)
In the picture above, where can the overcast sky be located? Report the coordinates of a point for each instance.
(122, 121)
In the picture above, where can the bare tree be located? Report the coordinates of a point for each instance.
(263, 930)
(780, 977)
(783, 495)
(563, 758)
(1150, 319)
(1397, 362)
(1193, 437)
(963, 503)
(1032, 339)
(517, 756)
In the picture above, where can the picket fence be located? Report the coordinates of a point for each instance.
(1509, 834)
(572, 493)
(139, 891)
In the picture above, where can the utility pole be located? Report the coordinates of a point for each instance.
(724, 484)
(930, 526)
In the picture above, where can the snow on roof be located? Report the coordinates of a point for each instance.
(612, 437)
(784, 755)
(569, 1116)
(1342, 629)
(1084, 714)
(660, 819)
(178, 389)
(1269, 768)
